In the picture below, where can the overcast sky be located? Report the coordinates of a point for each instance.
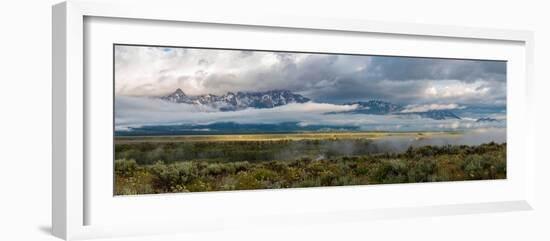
(326, 78)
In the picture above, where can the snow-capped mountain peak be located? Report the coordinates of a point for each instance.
(240, 100)
(272, 98)
(177, 97)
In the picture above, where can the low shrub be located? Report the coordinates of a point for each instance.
(424, 164)
(125, 168)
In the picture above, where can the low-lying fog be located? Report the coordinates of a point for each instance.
(387, 144)
(473, 137)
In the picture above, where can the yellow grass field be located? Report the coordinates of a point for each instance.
(283, 136)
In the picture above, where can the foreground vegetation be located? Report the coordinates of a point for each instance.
(142, 168)
(263, 147)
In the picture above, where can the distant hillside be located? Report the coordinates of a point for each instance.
(229, 128)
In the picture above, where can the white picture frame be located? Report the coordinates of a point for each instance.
(73, 192)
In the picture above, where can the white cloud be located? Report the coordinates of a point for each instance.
(152, 71)
(428, 107)
(456, 89)
(140, 111)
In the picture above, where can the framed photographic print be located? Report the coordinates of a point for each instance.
(209, 122)
(191, 119)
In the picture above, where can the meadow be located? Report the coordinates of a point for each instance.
(279, 136)
(198, 163)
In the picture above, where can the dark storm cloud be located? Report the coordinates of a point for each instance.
(358, 86)
(405, 79)
(407, 68)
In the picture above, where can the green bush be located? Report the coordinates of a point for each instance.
(264, 174)
(422, 171)
(423, 164)
(247, 181)
(125, 168)
(167, 177)
(473, 167)
(389, 171)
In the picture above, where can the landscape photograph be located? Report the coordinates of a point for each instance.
(192, 119)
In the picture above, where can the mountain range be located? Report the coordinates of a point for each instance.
(240, 100)
(487, 119)
(378, 107)
(273, 98)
